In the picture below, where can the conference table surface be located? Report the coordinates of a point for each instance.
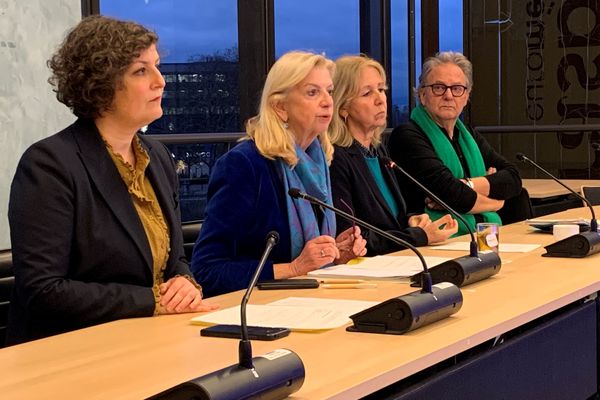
(544, 188)
(135, 358)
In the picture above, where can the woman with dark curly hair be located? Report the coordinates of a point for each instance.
(93, 211)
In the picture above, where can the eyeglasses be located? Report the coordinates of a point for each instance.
(350, 211)
(439, 89)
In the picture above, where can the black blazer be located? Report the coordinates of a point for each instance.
(352, 181)
(410, 147)
(80, 253)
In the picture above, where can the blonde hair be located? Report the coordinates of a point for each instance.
(266, 129)
(346, 84)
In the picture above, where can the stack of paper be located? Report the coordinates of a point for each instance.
(545, 225)
(295, 313)
(379, 267)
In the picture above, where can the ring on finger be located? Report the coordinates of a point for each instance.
(322, 253)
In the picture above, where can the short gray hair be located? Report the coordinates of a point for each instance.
(447, 57)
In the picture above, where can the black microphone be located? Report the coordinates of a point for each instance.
(463, 270)
(275, 375)
(404, 313)
(576, 246)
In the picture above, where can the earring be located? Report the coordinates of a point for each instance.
(285, 125)
(345, 118)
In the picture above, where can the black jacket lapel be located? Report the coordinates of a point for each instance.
(363, 170)
(105, 176)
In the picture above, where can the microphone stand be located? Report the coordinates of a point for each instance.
(464, 270)
(245, 348)
(274, 376)
(404, 313)
(576, 246)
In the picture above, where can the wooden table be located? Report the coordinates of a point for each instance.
(135, 358)
(544, 188)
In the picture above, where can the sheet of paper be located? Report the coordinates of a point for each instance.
(503, 247)
(379, 267)
(295, 313)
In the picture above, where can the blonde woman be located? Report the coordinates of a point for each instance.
(360, 180)
(286, 146)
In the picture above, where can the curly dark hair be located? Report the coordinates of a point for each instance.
(91, 62)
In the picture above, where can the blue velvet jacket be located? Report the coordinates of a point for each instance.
(246, 200)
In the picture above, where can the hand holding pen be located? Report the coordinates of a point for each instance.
(350, 242)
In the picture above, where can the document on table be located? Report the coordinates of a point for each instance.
(502, 247)
(546, 225)
(379, 267)
(295, 313)
(543, 221)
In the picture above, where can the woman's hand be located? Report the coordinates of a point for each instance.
(440, 229)
(351, 244)
(179, 295)
(421, 221)
(317, 252)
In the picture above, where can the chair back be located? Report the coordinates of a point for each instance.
(7, 282)
(191, 230)
(516, 208)
(591, 194)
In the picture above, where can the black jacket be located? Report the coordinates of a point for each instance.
(352, 181)
(411, 149)
(80, 253)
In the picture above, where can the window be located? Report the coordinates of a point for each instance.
(451, 25)
(330, 27)
(194, 163)
(201, 66)
(400, 61)
(198, 43)
(199, 55)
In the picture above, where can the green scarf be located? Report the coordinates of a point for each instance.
(447, 154)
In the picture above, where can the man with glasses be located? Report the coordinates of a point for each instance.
(440, 151)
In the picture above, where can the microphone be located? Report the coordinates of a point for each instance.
(275, 375)
(404, 313)
(576, 246)
(464, 270)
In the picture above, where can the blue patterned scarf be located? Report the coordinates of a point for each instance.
(310, 175)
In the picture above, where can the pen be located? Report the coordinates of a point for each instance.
(349, 285)
(351, 213)
(341, 280)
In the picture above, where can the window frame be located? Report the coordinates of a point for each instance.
(256, 42)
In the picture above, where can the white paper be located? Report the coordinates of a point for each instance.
(295, 313)
(379, 267)
(503, 247)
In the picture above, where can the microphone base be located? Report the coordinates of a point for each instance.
(464, 270)
(577, 246)
(276, 375)
(409, 312)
